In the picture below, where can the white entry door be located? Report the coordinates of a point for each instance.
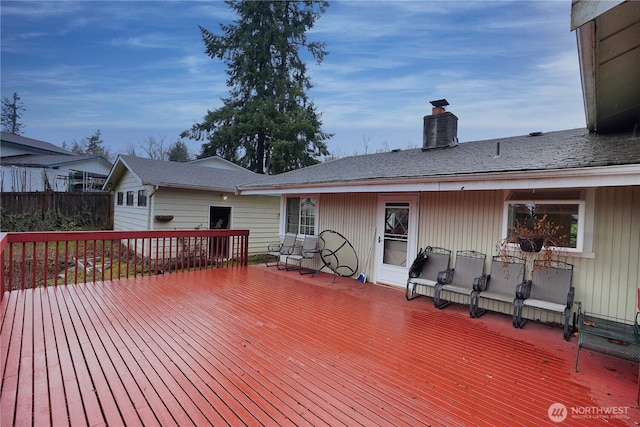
(396, 238)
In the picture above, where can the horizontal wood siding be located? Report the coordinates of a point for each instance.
(261, 216)
(129, 217)
(190, 209)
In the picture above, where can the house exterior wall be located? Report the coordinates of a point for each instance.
(129, 217)
(354, 216)
(24, 179)
(606, 279)
(27, 179)
(190, 208)
(90, 165)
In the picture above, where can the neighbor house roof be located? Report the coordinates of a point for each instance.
(546, 156)
(49, 160)
(34, 144)
(179, 175)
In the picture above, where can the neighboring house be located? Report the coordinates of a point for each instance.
(464, 196)
(162, 195)
(32, 165)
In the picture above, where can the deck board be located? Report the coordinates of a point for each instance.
(258, 346)
(12, 344)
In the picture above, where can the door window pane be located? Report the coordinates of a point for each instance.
(396, 234)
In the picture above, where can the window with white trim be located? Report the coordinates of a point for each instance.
(142, 197)
(300, 215)
(567, 214)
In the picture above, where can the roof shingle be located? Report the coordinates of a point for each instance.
(568, 149)
(184, 175)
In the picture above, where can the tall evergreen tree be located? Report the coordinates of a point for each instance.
(12, 110)
(178, 152)
(267, 124)
(91, 146)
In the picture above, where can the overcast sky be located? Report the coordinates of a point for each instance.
(136, 70)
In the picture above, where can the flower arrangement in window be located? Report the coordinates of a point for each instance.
(527, 239)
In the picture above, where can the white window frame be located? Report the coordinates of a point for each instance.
(585, 220)
(142, 196)
(283, 213)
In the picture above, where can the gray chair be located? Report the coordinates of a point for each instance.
(278, 250)
(549, 289)
(507, 272)
(469, 266)
(308, 251)
(437, 260)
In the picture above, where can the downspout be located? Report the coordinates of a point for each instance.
(151, 208)
(586, 39)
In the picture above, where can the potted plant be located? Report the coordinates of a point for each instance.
(529, 237)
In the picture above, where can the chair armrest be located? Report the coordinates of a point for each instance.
(480, 283)
(445, 277)
(274, 247)
(523, 290)
(309, 253)
(571, 296)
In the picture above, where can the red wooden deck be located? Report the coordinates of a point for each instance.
(254, 346)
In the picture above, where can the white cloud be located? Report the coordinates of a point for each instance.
(507, 68)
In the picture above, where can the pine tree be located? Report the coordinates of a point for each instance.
(12, 110)
(267, 124)
(178, 152)
(91, 146)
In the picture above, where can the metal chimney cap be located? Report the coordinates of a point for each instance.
(439, 103)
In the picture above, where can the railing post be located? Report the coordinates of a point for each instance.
(3, 283)
(83, 256)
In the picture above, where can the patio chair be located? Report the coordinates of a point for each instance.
(436, 261)
(549, 289)
(308, 251)
(459, 280)
(279, 250)
(507, 272)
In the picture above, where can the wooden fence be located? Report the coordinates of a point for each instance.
(99, 205)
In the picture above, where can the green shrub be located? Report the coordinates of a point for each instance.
(51, 220)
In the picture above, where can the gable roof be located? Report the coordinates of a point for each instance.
(34, 144)
(178, 175)
(545, 156)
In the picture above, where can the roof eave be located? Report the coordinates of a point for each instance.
(169, 185)
(604, 176)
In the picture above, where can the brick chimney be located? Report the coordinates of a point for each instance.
(440, 128)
